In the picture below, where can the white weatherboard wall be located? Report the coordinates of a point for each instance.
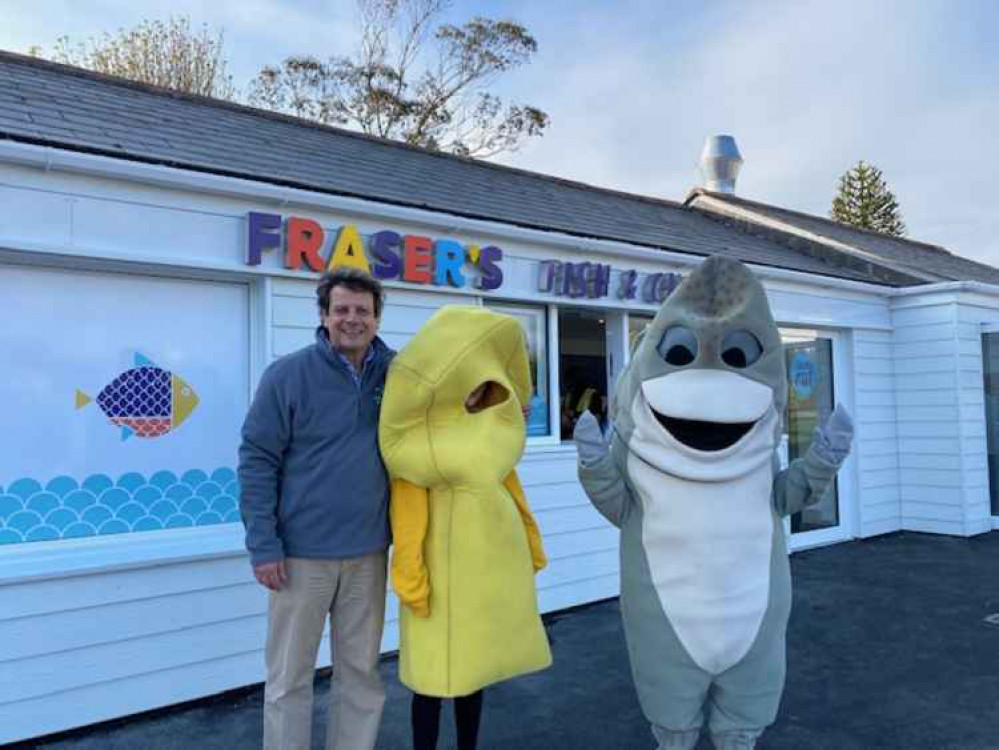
(941, 415)
(973, 312)
(95, 646)
(875, 445)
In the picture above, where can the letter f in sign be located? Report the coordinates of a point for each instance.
(260, 235)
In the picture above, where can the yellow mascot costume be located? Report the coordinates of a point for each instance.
(466, 545)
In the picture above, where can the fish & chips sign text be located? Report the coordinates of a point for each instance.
(593, 280)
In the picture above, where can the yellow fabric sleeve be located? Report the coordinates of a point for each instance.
(409, 516)
(512, 484)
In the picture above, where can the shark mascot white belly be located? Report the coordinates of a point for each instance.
(693, 481)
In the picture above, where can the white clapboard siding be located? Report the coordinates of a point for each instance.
(971, 405)
(928, 426)
(582, 547)
(876, 433)
(941, 415)
(108, 699)
(294, 315)
(92, 647)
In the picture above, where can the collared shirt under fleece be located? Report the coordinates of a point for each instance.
(312, 481)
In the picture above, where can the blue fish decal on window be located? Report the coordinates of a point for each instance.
(146, 401)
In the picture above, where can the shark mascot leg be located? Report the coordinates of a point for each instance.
(693, 481)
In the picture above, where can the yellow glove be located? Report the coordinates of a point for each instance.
(409, 515)
(512, 484)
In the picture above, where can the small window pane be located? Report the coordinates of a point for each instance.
(534, 321)
(582, 360)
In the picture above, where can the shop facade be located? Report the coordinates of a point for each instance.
(143, 301)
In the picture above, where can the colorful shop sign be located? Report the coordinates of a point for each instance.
(386, 254)
(593, 280)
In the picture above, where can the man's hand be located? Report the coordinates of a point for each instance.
(525, 410)
(272, 575)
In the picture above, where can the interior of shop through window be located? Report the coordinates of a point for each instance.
(808, 358)
(990, 360)
(582, 358)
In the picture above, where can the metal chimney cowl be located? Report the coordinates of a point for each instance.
(720, 164)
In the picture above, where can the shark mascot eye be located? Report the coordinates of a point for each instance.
(693, 481)
(678, 346)
(741, 349)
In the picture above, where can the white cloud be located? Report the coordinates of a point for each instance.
(808, 89)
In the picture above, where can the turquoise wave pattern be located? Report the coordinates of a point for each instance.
(66, 509)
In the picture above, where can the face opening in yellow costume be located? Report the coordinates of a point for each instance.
(486, 395)
(466, 546)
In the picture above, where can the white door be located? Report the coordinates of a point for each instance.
(990, 362)
(816, 371)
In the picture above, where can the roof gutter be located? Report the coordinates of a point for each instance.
(49, 158)
(977, 287)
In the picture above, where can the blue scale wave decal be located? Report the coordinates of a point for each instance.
(64, 508)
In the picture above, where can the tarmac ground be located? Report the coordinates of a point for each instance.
(889, 648)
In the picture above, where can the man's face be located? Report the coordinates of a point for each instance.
(350, 320)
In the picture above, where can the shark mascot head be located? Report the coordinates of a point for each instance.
(705, 389)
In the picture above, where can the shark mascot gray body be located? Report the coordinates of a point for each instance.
(693, 481)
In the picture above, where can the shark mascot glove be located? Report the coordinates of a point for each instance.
(693, 481)
(466, 545)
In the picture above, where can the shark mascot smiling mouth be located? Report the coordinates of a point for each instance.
(693, 481)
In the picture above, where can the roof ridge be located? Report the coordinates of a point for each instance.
(18, 58)
(880, 235)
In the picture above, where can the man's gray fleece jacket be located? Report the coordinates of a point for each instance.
(312, 482)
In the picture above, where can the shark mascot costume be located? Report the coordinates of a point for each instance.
(693, 481)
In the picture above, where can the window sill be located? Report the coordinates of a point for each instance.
(36, 561)
(565, 447)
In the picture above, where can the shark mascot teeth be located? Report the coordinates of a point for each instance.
(693, 481)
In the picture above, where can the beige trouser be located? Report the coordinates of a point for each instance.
(352, 593)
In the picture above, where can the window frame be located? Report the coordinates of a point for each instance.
(549, 316)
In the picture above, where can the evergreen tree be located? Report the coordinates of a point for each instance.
(865, 201)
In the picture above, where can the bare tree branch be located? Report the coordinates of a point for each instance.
(410, 81)
(161, 53)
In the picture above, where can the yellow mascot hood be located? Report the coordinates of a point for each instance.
(424, 432)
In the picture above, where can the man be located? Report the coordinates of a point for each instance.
(314, 499)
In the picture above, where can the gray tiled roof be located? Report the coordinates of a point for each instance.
(47, 103)
(929, 262)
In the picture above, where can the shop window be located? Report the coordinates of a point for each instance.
(132, 428)
(990, 360)
(582, 358)
(533, 319)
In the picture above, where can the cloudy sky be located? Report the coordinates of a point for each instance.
(633, 88)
